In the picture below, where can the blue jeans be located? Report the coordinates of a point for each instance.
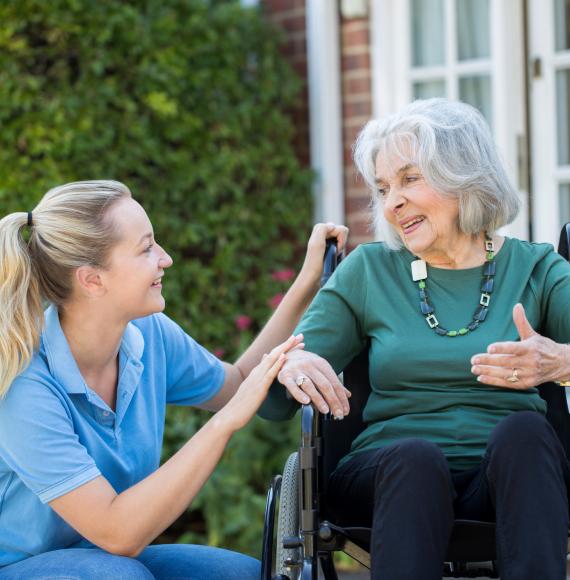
(408, 495)
(161, 562)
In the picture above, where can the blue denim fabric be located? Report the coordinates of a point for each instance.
(163, 562)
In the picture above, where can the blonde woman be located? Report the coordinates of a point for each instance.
(84, 388)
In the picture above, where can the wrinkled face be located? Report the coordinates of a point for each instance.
(426, 221)
(136, 265)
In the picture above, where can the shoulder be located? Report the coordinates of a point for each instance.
(38, 376)
(162, 335)
(158, 327)
(370, 255)
(524, 250)
(539, 257)
(34, 391)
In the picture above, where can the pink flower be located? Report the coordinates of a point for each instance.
(274, 301)
(243, 322)
(219, 352)
(283, 275)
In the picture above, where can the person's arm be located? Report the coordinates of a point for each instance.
(334, 331)
(126, 523)
(533, 361)
(286, 316)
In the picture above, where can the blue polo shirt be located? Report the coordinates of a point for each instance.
(57, 434)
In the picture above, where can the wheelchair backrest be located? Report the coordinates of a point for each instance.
(340, 434)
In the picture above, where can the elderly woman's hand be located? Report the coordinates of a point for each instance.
(310, 378)
(525, 364)
(313, 264)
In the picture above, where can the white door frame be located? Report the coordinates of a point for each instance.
(546, 172)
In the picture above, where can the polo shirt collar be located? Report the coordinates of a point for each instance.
(63, 366)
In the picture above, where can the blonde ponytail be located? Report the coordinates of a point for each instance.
(70, 229)
(20, 302)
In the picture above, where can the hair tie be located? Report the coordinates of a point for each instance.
(30, 221)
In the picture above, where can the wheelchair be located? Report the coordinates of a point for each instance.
(296, 500)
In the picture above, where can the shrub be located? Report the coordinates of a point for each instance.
(185, 101)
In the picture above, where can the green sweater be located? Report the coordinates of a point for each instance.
(422, 385)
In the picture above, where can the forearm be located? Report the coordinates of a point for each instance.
(281, 324)
(145, 510)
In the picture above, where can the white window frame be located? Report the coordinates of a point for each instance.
(546, 173)
(391, 86)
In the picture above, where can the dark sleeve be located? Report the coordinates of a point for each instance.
(332, 327)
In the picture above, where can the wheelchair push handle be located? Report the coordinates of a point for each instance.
(564, 242)
(330, 261)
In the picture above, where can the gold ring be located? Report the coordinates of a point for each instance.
(300, 380)
(514, 378)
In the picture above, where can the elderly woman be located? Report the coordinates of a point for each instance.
(457, 318)
(84, 388)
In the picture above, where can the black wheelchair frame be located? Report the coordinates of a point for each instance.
(471, 550)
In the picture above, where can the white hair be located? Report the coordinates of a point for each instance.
(451, 144)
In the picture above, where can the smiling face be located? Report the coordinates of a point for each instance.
(136, 264)
(427, 222)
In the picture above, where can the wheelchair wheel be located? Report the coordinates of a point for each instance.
(288, 518)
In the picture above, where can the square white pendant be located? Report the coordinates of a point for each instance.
(419, 270)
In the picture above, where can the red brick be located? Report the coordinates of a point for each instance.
(356, 85)
(356, 62)
(281, 5)
(350, 133)
(360, 229)
(295, 45)
(291, 22)
(352, 125)
(299, 65)
(357, 204)
(356, 37)
(357, 109)
(354, 21)
(354, 24)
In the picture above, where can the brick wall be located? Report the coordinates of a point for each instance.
(290, 16)
(356, 111)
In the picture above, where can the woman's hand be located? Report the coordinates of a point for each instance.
(313, 264)
(310, 378)
(253, 390)
(525, 364)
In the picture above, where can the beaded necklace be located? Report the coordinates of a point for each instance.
(419, 275)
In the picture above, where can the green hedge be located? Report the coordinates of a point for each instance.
(186, 102)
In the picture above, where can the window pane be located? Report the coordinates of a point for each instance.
(429, 89)
(473, 24)
(563, 122)
(562, 24)
(476, 91)
(564, 203)
(428, 32)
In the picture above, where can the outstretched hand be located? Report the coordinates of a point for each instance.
(527, 363)
(252, 392)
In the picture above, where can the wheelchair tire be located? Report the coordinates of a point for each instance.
(288, 517)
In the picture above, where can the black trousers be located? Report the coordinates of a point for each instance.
(408, 495)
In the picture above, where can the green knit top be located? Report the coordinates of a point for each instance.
(422, 385)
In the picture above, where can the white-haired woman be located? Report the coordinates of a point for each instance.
(84, 388)
(457, 318)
